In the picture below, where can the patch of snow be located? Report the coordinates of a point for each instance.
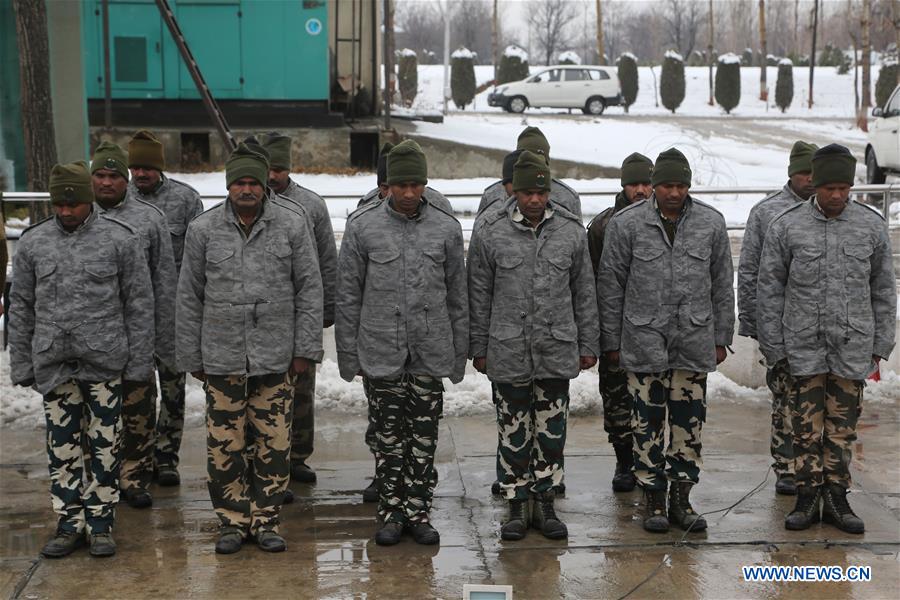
(570, 56)
(408, 52)
(786, 61)
(513, 50)
(463, 52)
(730, 58)
(674, 55)
(629, 55)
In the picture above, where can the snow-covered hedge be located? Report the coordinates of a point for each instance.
(513, 65)
(569, 57)
(628, 78)
(784, 85)
(408, 76)
(462, 77)
(728, 81)
(671, 81)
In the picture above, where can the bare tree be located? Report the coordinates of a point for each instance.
(812, 55)
(37, 103)
(495, 38)
(763, 53)
(470, 24)
(420, 28)
(601, 51)
(866, 100)
(683, 20)
(709, 53)
(549, 21)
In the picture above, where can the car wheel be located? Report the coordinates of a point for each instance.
(874, 173)
(594, 106)
(517, 104)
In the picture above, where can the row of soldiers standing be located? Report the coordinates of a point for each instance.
(252, 299)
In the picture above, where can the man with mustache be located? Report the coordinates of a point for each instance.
(180, 203)
(109, 174)
(303, 428)
(617, 402)
(80, 321)
(798, 189)
(249, 322)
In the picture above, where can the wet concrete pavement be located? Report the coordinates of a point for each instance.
(167, 551)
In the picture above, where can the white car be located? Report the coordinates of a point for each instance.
(589, 88)
(883, 148)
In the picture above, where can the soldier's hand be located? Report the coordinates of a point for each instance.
(613, 357)
(198, 375)
(480, 363)
(876, 359)
(328, 323)
(721, 354)
(299, 366)
(587, 362)
(26, 382)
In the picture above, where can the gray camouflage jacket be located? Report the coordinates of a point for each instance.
(402, 304)
(180, 203)
(369, 197)
(150, 223)
(249, 304)
(751, 249)
(531, 296)
(666, 306)
(324, 235)
(827, 298)
(560, 195)
(81, 305)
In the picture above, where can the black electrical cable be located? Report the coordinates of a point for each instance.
(680, 542)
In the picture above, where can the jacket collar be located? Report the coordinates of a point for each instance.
(389, 208)
(817, 213)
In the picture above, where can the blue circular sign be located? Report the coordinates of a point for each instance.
(313, 26)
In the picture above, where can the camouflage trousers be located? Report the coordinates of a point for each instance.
(676, 396)
(170, 424)
(617, 403)
(303, 427)
(79, 411)
(778, 378)
(408, 409)
(532, 418)
(372, 411)
(824, 409)
(137, 435)
(247, 485)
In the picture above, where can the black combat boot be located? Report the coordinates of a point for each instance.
(624, 479)
(389, 534)
(288, 496)
(785, 485)
(167, 476)
(302, 473)
(516, 525)
(836, 510)
(656, 520)
(370, 494)
(137, 497)
(806, 511)
(680, 510)
(63, 543)
(495, 489)
(544, 518)
(424, 533)
(102, 545)
(270, 540)
(230, 540)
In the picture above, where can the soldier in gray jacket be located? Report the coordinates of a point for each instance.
(249, 321)
(534, 327)
(533, 140)
(180, 203)
(109, 175)
(80, 321)
(796, 190)
(303, 428)
(667, 316)
(827, 306)
(402, 322)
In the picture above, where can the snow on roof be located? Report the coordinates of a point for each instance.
(786, 61)
(407, 52)
(514, 51)
(673, 54)
(730, 58)
(462, 52)
(570, 56)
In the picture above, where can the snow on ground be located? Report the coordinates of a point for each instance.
(833, 93)
(21, 407)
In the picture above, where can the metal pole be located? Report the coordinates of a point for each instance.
(388, 63)
(446, 6)
(107, 84)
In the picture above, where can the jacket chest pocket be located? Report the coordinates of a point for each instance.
(278, 260)
(433, 260)
(558, 269)
(857, 263)
(699, 258)
(507, 267)
(45, 284)
(804, 269)
(102, 282)
(383, 271)
(220, 266)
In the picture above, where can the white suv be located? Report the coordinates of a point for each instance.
(883, 149)
(589, 88)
